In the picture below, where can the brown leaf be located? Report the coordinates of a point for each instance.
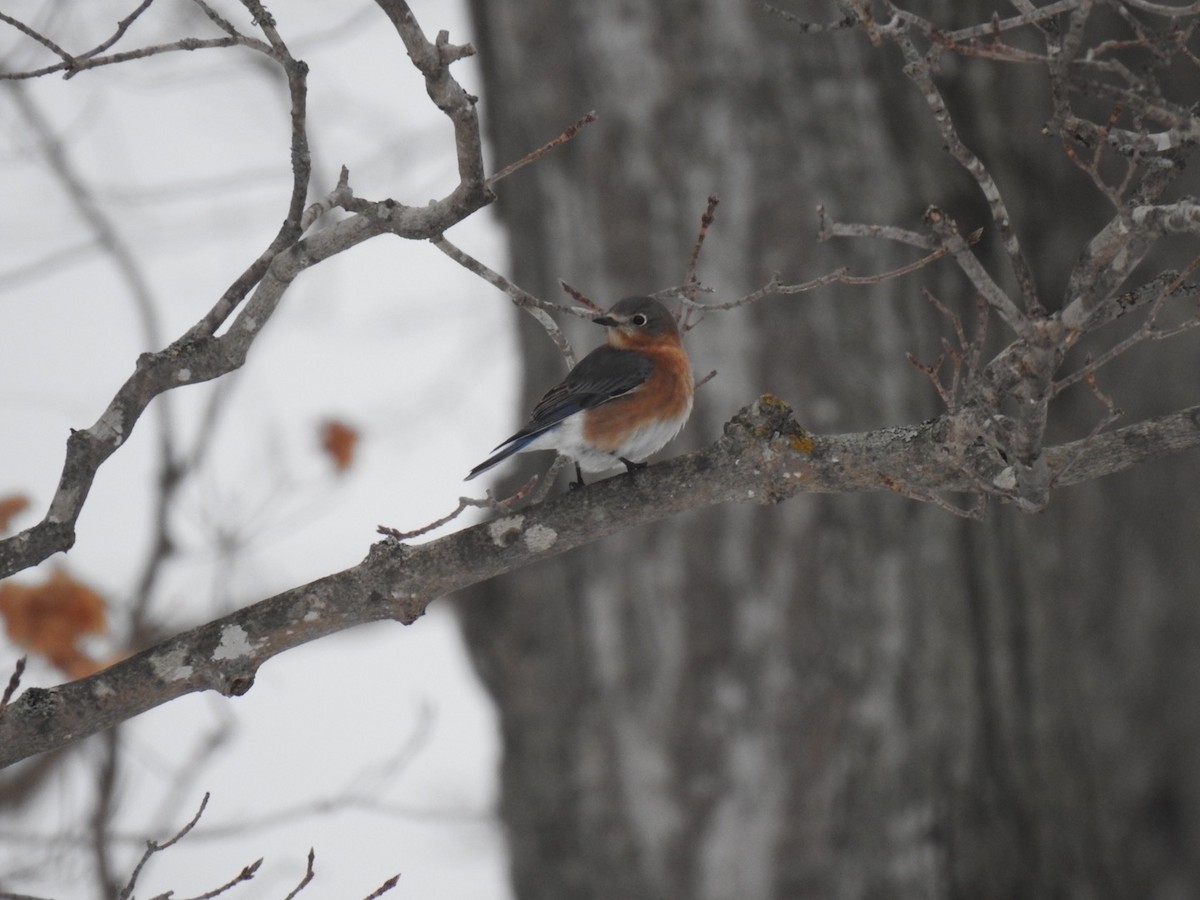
(339, 441)
(50, 618)
(9, 507)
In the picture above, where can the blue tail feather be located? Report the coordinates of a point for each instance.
(515, 444)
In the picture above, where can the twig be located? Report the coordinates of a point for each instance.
(1031, 16)
(14, 681)
(1112, 413)
(827, 229)
(838, 276)
(932, 371)
(464, 503)
(383, 888)
(918, 71)
(301, 160)
(1146, 331)
(308, 876)
(1091, 167)
(297, 79)
(947, 232)
(58, 51)
(217, 19)
(691, 284)
(153, 847)
(78, 65)
(247, 874)
(690, 281)
(974, 512)
(535, 306)
(580, 297)
(806, 27)
(975, 353)
(340, 195)
(1159, 9)
(122, 27)
(101, 819)
(549, 477)
(966, 351)
(567, 134)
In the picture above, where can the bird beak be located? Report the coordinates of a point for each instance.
(607, 321)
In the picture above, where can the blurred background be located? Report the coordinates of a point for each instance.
(136, 194)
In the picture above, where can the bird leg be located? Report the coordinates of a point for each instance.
(630, 465)
(578, 482)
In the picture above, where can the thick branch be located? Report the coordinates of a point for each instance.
(434, 62)
(764, 456)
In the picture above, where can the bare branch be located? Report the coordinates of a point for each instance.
(535, 306)
(122, 27)
(1161, 9)
(690, 280)
(1149, 329)
(806, 27)
(339, 196)
(591, 307)
(763, 456)
(548, 480)
(827, 229)
(297, 78)
(918, 71)
(464, 503)
(14, 681)
(1031, 16)
(217, 19)
(153, 847)
(383, 888)
(567, 134)
(247, 874)
(73, 65)
(67, 59)
(309, 872)
(433, 60)
(975, 512)
(838, 276)
(958, 247)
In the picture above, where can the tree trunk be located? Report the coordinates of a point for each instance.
(844, 696)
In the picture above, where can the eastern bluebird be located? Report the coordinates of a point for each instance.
(623, 401)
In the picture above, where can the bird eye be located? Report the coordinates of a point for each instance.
(638, 319)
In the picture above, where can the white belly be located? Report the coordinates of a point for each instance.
(567, 439)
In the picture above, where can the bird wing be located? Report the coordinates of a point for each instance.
(603, 375)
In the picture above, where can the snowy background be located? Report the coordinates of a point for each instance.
(376, 747)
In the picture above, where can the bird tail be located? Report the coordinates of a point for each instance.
(515, 444)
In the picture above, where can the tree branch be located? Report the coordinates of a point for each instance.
(764, 456)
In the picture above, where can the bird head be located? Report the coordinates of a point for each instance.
(637, 320)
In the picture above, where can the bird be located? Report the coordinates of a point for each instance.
(623, 401)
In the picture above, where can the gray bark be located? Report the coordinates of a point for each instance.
(841, 696)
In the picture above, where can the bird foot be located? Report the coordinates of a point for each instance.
(578, 482)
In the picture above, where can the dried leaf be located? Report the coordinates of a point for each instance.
(339, 441)
(9, 507)
(50, 618)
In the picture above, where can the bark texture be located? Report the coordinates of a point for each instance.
(840, 696)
